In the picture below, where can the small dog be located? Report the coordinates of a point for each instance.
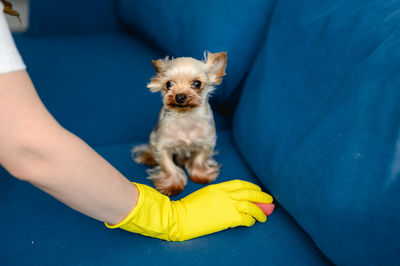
(185, 133)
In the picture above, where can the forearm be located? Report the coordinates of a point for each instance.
(68, 169)
(33, 147)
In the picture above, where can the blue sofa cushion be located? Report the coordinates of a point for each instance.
(188, 28)
(319, 124)
(59, 17)
(36, 229)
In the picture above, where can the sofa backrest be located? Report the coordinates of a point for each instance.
(188, 28)
(319, 123)
(60, 17)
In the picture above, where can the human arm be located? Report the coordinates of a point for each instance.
(35, 148)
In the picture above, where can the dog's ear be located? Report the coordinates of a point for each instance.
(155, 84)
(217, 64)
(160, 64)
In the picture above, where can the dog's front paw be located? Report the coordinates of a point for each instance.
(168, 188)
(204, 174)
(168, 184)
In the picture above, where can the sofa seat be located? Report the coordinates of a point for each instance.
(38, 230)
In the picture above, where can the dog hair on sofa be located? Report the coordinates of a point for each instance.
(185, 134)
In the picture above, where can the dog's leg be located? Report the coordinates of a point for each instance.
(167, 178)
(202, 169)
(144, 154)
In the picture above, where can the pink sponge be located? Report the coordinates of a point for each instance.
(266, 208)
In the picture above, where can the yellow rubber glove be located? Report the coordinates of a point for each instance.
(208, 210)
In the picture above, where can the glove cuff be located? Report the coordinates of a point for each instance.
(133, 212)
(154, 215)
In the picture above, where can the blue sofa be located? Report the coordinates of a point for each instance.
(309, 110)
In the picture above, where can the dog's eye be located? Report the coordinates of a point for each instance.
(197, 84)
(168, 85)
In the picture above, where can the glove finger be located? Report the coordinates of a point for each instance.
(247, 220)
(237, 184)
(251, 195)
(251, 209)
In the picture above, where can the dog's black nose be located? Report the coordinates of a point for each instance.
(180, 98)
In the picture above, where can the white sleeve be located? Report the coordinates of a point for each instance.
(10, 59)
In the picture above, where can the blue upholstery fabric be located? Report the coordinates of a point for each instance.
(59, 17)
(38, 230)
(188, 28)
(319, 124)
